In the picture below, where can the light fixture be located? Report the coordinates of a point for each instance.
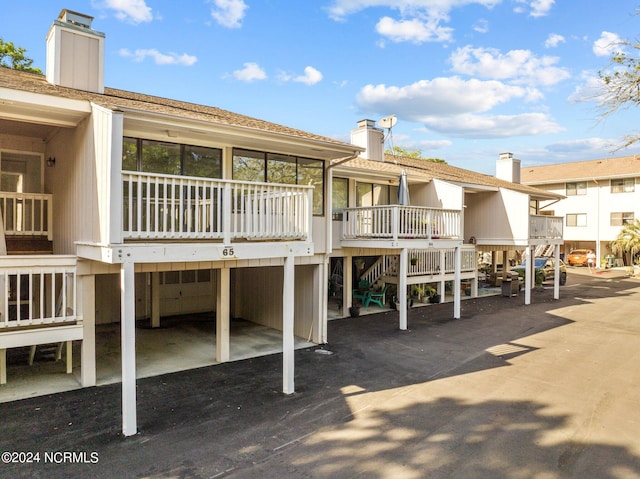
(51, 162)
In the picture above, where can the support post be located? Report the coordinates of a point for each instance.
(128, 338)
(288, 349)
(347, 286)
(155, 299)
(556, 276)
(457, 260)
(402, 288)
(223, 314)
(3, 366)
(527, 274)
(88, 351)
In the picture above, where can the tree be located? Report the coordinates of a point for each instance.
(621, 83)
(14, 57)
(417, 154)
(628, 240)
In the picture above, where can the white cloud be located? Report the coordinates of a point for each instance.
(438, 97)
(493, 126)
(607, 44)
(553, 40)
(421, 20)
(457, 107)
(582, 145)
(538, 8)
(590, 89)
(416, 31)
(141, 54)
(311, 76)
(229, 13)
(339, 9)
(520, 66)
(132, 11)
(250, 72)
(481, 26)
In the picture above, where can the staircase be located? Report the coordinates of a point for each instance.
(544, 250)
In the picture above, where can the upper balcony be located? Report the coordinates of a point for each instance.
(543, 227)
(159, 207)
(376, 225)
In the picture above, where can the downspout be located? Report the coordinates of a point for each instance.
(329, 233)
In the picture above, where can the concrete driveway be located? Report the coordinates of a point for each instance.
(550, 390)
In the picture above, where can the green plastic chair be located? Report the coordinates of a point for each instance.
(376, 297)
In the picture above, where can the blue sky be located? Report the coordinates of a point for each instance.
(467, 79)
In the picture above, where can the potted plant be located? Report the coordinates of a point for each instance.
(432, 294)
(354, 310)
(417, 292)
(413, 260)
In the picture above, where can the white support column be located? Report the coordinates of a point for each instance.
(556, 276)
(3, 366)
(128, 333)
(527, 275)
(288, 349)
(223, 314)
(402, 288)
(457, 260)
(320, 300)
(347, 286)
(155, 299)
(88, 354)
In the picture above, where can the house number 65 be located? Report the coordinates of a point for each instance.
(227, 252)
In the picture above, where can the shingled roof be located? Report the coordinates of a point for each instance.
(115, 99)
(624, 166)
(443, 171)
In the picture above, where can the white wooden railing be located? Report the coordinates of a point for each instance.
(179, 207)
(37, 290)
(396, 222)
(545, 227)
(27, 214)
(430, 262)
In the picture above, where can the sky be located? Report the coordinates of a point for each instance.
(466, 79)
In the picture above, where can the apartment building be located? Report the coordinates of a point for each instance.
(600, 197)
(119, 207)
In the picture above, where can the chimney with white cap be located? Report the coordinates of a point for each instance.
(75, 53)
(508, 168)
(368, 136)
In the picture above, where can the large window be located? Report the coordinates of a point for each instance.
(623, 185)
(284, 169)
(577, 219)
(171, 158)
(373, 194)
(340, 197)
(577, 188)
(621, 219)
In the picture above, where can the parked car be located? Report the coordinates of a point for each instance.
(545, 269)
(578, 257)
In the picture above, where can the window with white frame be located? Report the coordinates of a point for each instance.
(621, 219)
(623, 185)
(576, 188)
(576, 219)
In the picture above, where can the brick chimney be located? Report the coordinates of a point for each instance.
(75, 53)
(369, 137)
(508, 168)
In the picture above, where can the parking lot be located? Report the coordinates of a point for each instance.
(549, 390)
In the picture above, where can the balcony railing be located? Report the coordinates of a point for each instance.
(400, 222)
(37, 291)
(432, 262)
(177, 207)
(26, 214)
(545, 227)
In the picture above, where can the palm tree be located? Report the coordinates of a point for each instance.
(628, 240)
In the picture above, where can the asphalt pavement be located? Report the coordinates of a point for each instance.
(549, 390)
